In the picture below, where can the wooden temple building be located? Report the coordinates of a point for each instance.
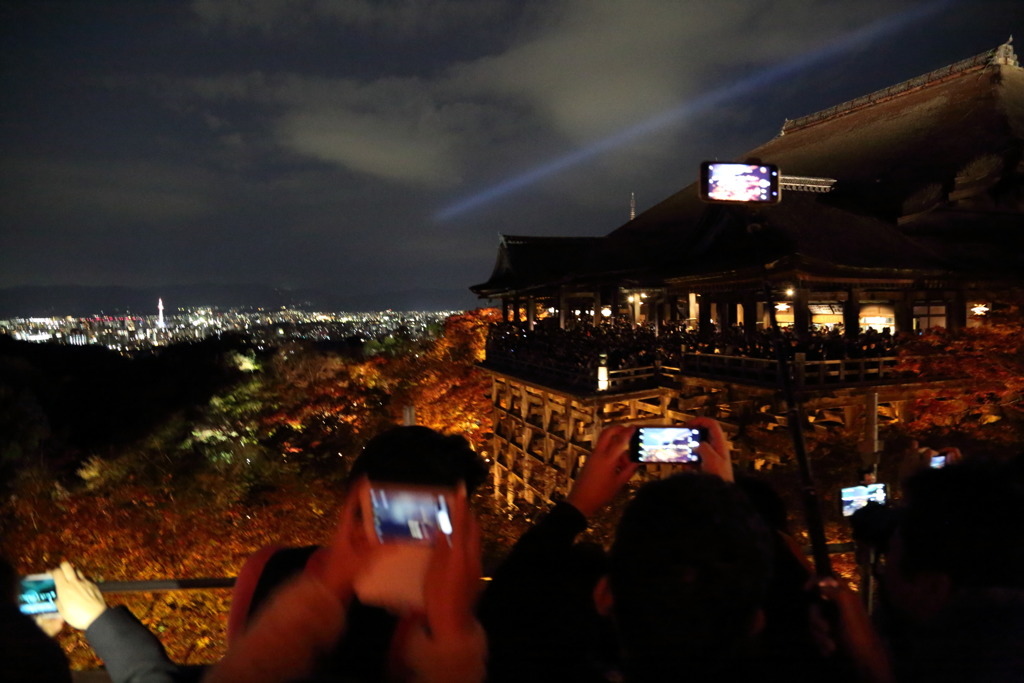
(902, 209)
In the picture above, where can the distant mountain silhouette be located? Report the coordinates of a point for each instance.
(85, 301)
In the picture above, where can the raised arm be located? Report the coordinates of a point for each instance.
(131, 653)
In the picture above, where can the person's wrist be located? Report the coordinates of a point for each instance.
(583, 505)
(85, 619)
(96, 615)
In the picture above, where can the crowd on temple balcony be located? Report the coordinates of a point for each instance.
(579, 349)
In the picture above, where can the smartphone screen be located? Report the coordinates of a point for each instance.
(38, 595)
(938, 461)
(408, 514)
(739, 183)
(669, 445)
(856, 497)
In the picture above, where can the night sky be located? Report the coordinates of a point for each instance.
(379, 147)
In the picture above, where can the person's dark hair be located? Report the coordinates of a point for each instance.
(873, 525)
(975, 639)
(967, 521)
(766, 501)
(688, 571)
(419, 455)
(9, 585)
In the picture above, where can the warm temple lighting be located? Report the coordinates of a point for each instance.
(789, 292)
(783, 306)
(630, 299)
(606, 312)
(980, 309)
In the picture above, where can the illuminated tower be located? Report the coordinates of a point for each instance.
(160, 314)
(632, 205)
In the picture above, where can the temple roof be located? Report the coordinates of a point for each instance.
(525, 261)
(929, 183)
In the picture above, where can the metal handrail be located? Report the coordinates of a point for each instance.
(157, 585)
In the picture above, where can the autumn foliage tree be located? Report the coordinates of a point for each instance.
(442, 380)
(256, 459)
(984, 369)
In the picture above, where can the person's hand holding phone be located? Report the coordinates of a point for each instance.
(79, 600)
(306, 616)
(452, 581)
(715, 455)
(338, 564)
(852, 631)
(605, 472)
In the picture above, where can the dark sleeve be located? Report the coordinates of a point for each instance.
(26, 653)
(548, 539)
(130, 652)
(538, 610)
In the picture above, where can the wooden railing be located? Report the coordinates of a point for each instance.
(808, 374)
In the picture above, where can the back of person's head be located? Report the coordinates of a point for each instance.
(965, 521)
(687, 570)
(977, 638)
(419, 455)
(766, 501)
(8, 581)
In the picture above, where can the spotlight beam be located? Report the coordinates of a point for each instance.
(701, 104)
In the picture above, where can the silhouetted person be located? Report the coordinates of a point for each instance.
(956, 559)
(27, 654)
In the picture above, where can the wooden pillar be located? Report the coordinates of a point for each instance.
(634, 308)
(870, 446)
(851, 314)
(563, 305)
(597, 307)
(750, 315)
(704, 317)
(801, 313)
(504, 309)
(956, 311)
(531, 314)
(903, 303)
(726, 314)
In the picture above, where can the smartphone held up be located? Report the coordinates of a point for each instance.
(37, 595)
(398, 513)
(736, 183)
(406, 522)
(666, 445)
(853, 498)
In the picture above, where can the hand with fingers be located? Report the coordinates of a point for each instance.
(715, 453)
(452, 647)
(306, 616)
(350, 550)
(851, 631)
(605, 472)
(79, 600)
(452, 581)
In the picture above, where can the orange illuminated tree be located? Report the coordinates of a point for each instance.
(985, 366)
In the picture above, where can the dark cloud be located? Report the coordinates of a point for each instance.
(313, 143)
